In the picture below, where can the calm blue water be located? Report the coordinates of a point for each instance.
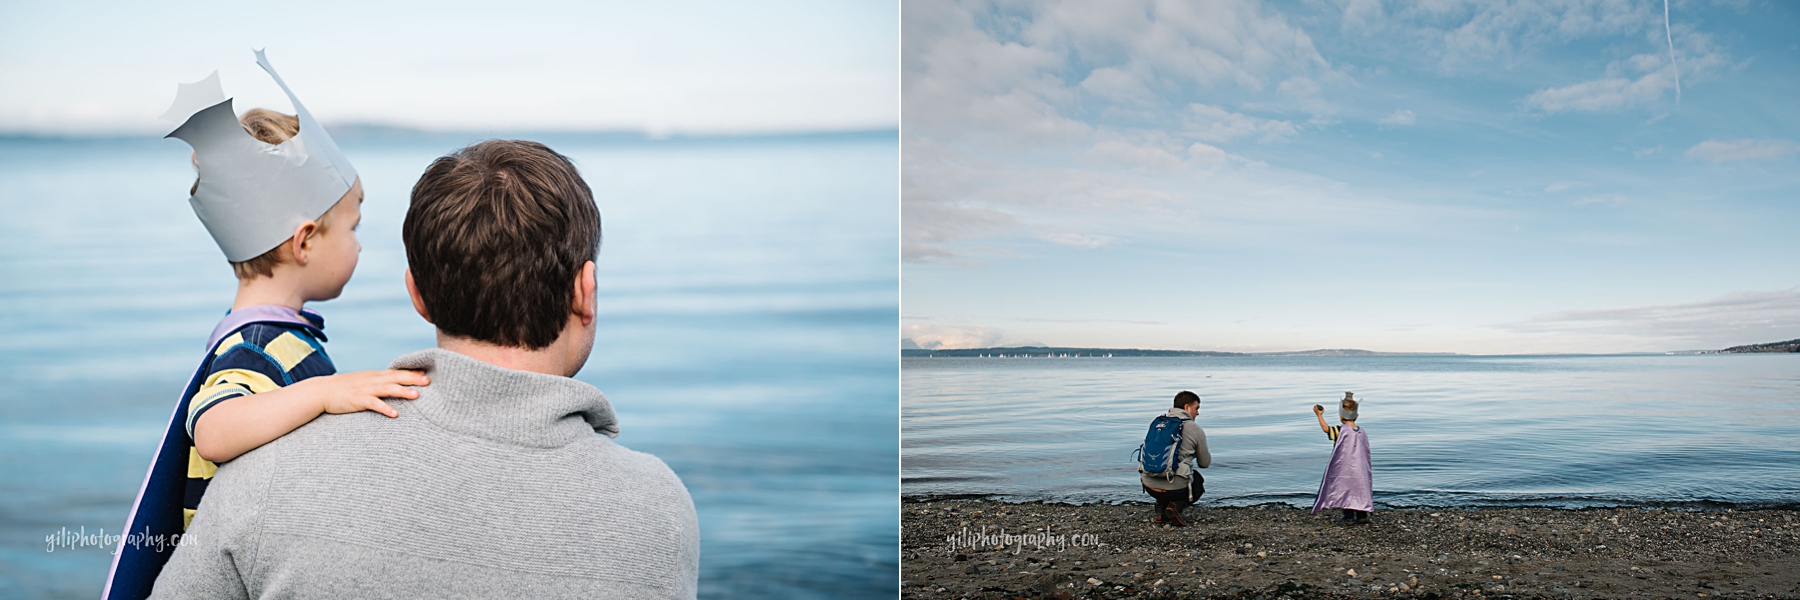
(748, 314)
(1443, 431)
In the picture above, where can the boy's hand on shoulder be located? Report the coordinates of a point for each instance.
(363, 390)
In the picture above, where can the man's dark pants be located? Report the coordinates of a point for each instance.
(1178, 498)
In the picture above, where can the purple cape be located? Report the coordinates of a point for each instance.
(1349, 482)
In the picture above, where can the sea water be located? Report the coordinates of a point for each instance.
(747, 295)
(1566, 431)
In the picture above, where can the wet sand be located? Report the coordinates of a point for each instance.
(1103, 551)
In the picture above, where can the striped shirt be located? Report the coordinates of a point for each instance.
(256, 358)
(1332, 432)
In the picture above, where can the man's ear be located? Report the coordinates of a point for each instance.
(412, 290)
(584, 307)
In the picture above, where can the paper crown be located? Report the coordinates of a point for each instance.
(253, 195)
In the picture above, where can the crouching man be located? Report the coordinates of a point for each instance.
(1173, 443)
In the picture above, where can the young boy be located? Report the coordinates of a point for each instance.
(263, 178)
(1349, 482)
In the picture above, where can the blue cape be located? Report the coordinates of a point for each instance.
(155, 525)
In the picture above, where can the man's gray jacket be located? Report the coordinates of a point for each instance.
(493, 483)
(1193, 450)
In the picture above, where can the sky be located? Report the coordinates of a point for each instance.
(1568, 176)
(661, 67)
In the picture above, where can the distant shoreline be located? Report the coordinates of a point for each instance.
(1069, 352)
(1790, 346)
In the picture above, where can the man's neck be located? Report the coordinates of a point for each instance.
(550, 360)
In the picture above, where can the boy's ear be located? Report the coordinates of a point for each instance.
(302, 242)
(412, 290)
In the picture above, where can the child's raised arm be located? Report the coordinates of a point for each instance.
(1319, 413)
(242, 424)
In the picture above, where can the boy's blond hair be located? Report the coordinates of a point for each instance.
(1348, 404)
(271, 128)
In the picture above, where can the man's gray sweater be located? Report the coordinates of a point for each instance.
(493, 483)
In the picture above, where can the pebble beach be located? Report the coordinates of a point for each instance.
(989, 549)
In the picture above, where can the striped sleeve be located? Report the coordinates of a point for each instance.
(1332, 432)
(239, 369)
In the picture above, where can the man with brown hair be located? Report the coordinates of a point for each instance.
(1181, 485)
(502, 478)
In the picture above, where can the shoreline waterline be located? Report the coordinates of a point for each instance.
(1474, 504)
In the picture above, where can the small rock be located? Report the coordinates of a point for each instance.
(1351, 573)
(1262, 555)
(1092, 581)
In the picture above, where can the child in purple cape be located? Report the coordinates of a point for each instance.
(1349, 481)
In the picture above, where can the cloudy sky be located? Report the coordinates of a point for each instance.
(1460, 176)
(666, 67)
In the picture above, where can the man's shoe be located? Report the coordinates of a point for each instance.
(1173, 517)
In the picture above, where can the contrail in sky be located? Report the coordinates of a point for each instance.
(1671, 38)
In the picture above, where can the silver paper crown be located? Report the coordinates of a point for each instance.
(253, 195)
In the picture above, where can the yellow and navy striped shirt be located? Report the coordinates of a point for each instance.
(256, 358)
(1332, 432)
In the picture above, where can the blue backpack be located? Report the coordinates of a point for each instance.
(1158, 454)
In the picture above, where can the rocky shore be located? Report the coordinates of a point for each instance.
(953, 549)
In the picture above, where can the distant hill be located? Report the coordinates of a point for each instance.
(1048, 351)
(1043, 351)
(1351, 352)
(1787, 346)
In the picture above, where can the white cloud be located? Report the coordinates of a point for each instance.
(1602, 95)
(1141, 157)
(1563, 186)
(1118, 85)
(1458, 32)
(1400, 117)
(1603, 199)
(1742, 150)
(997, 97)
(1178, 42)
(1023, 75)
(956, 77)
(1213, 124)
(1078, 240)
(1643, 152)
(1207, 156)
(938, 336)
(1698, 57)
(1730, 320)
